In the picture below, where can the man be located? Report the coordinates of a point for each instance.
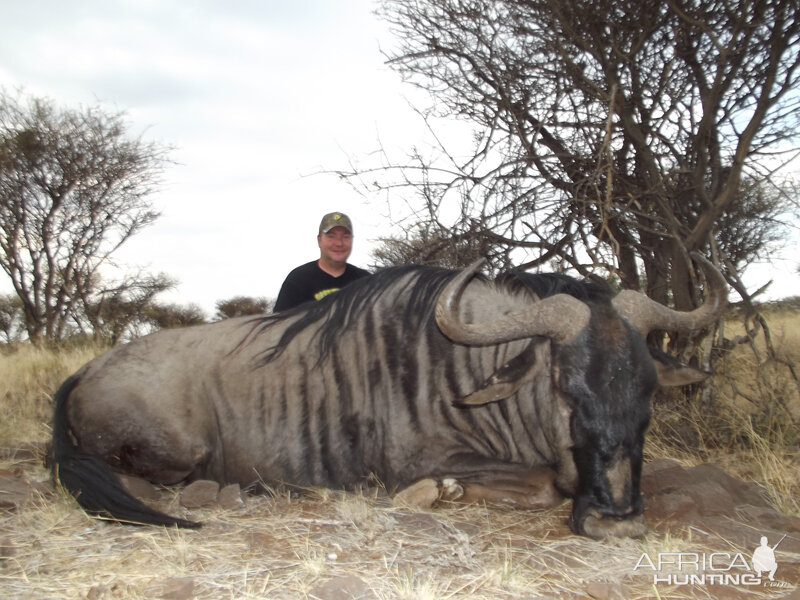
(329, 273)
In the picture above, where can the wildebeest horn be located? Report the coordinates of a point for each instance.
(647, 315)
(559, 317)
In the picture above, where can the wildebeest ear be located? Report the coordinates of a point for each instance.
(673, 373)
(505, 381)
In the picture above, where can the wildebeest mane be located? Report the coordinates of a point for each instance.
(550, 284)
(336, 312)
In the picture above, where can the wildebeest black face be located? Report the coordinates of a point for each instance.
(607, 377)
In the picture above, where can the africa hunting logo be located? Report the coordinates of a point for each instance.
(715, 568)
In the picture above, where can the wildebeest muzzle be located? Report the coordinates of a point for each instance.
(609, 502)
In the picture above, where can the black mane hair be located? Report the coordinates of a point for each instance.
(550, 284)
(336, 311)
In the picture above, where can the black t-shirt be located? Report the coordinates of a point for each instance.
(308, 282)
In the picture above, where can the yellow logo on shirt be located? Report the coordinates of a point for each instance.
(322, 293)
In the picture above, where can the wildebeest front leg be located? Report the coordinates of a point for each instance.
(532, 488)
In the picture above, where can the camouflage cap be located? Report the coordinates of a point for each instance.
(335, 219)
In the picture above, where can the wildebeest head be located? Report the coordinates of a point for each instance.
(603, 371)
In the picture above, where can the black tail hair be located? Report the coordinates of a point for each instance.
(91, 481)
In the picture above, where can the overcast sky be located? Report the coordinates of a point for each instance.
(256, 96)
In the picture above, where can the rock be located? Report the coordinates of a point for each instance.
(674, 492)
(659, 464)
(200, 493)
(468, 528)
(348, 587)
(230, 497)
(711, 498)
(742, 492)
(606, 591)
(672, 505)
(666, 478)
(105, 592)
(768, 517)
(174, 588)
(418, 523)
(97, 592)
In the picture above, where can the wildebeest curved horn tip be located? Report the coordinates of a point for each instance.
(647, 315)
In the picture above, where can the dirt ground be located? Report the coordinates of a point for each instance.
(327, 545)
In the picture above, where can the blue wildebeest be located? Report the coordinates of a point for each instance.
(504, 391)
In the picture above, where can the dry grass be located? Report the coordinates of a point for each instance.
(761, 398)
(762, 385)
(28, 378)
(322, 544)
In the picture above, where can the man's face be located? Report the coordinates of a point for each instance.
(335, 246)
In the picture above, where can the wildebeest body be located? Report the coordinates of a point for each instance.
(365, 384)
(199, 403)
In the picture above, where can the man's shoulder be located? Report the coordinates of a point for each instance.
(305, 269)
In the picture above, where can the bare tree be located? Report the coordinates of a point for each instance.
(123, 311)
(609, 135)
(169, 316)
(10, 318)
(74, 187)
(240, 306)
(424, 245)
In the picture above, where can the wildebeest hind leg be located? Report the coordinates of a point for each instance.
(147, 447)
(162, 466)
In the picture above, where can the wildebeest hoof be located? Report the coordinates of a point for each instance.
(421, 494)
(451, 490)
(599, 527)
(426, 492)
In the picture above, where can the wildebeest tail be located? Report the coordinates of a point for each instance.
(90, 480)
